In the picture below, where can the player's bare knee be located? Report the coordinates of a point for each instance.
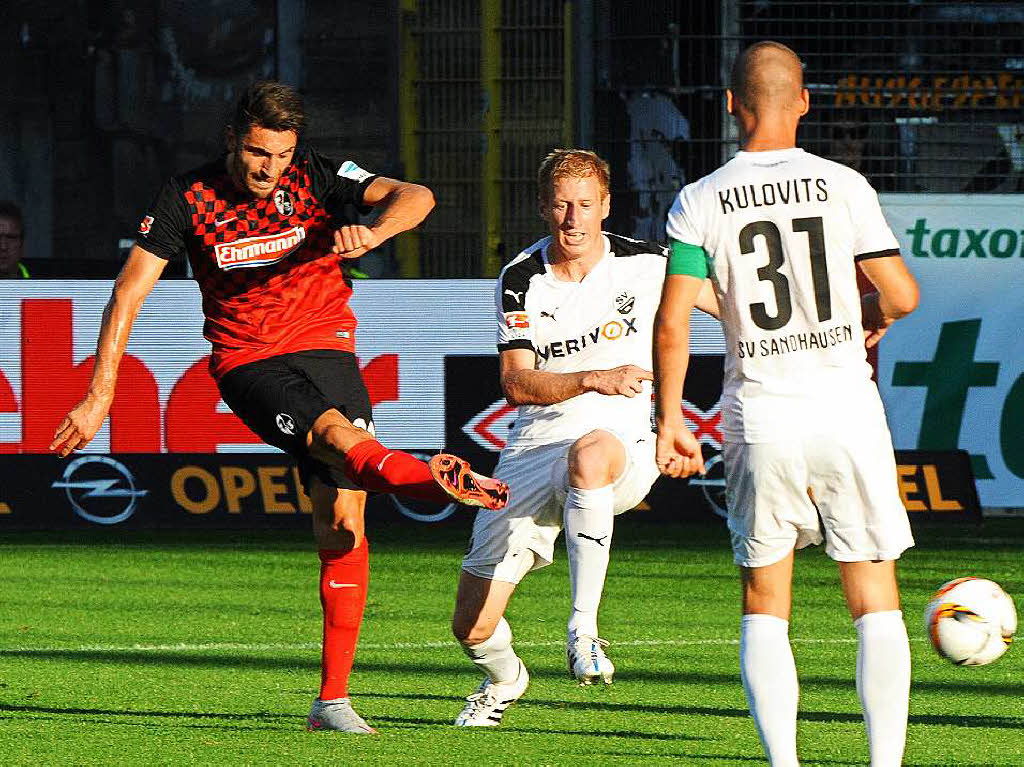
(336, 437)
(461, 628)
(472, 632)
(336, 540)
(869, 587)
(760, 588)
(468, 629)
(338, 516)
(592, 460)
(766, 591)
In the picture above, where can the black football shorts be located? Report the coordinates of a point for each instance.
(281, 397)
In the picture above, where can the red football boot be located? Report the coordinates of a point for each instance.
(465, 485)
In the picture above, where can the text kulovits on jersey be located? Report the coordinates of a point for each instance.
(783, 229)
(795, 190)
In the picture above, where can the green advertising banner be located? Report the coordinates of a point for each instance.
(952, 373)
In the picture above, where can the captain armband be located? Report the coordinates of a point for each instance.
(691, 260)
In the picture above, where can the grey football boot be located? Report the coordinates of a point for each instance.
(337, 715)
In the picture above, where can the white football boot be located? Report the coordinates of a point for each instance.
(587, 661)
(486, 706)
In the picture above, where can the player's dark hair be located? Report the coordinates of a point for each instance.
(271, 105)
(9, 210)
(571, 163)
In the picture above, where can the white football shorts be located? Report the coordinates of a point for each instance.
(792, 493)
(509, 543)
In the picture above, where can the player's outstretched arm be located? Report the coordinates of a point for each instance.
(133, 284)
(523, 385)
(897, 295)
(678, 454)
(403, 206)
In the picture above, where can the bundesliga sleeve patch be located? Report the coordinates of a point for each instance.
(517, 326)
(146, 225)
(517, 319)
(353, 172)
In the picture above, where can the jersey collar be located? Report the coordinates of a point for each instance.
(597, 264)
(770, 155)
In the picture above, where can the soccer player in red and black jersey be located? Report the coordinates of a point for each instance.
(259, 228)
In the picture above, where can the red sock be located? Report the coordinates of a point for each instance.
(343, 577)
(374, 467)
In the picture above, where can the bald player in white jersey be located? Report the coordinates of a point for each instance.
(575, 313)
(807, 451)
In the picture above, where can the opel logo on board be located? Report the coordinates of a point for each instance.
(100, 489)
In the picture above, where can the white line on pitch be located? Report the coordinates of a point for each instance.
(371, 646)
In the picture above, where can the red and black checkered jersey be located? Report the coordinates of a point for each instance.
(269, 281)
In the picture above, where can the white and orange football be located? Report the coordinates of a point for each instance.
(971, 621)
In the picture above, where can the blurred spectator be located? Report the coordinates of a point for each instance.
(658, 133)
(849, 144)
(12, 241)
(956, 157)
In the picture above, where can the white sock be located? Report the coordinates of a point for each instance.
(495, 656)
(883, 683)
(769, 679)
(588, 517)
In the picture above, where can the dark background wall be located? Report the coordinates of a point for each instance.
(101, 101)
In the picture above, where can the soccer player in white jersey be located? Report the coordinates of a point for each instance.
(807, 453)
(575, 312)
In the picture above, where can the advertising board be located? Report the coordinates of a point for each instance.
(426, 349)
(952, 373)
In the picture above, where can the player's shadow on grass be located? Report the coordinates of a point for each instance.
(953, 688)
(222, 659)
(758, 759)
(7, 710)
(117, 716)
(954, 720)
(589, 732)
(690, 757)
(172, 658)
(628, 674)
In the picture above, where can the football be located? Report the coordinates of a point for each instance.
(971, 621)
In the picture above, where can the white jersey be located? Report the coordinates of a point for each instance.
(604, 321)
(783, 230)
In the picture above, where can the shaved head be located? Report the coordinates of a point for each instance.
(766, 77)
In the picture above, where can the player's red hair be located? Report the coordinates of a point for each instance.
(571, 163)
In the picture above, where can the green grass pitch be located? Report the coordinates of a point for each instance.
(172, 649)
